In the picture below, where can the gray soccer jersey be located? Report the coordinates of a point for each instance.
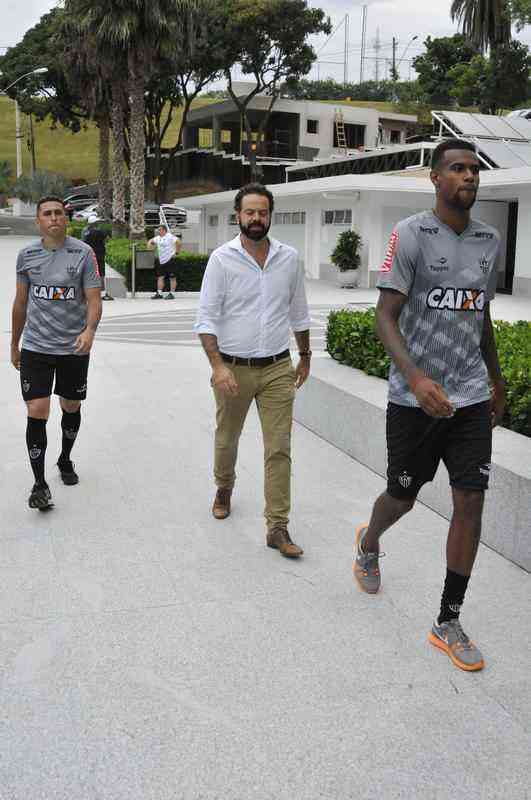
(448, 278)
(57, 308)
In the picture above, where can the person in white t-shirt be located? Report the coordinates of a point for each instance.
(168, 247)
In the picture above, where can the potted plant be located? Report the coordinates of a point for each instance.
(346, 257)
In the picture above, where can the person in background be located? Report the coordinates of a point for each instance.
(168, 246)
(95, 237)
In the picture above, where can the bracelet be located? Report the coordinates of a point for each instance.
(305, 353)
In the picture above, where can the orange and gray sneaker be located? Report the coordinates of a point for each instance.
(365, 566)
(450, 637)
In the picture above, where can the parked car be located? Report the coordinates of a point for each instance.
(82, 216)
(77, 202)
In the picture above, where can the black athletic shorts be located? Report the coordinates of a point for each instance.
(416, 443)
(37, 371)
(166, 270)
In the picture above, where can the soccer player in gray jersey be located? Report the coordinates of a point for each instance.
(57, 307)
(437, 280)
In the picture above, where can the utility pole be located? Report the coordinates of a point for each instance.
(394, 75)
(32, 146)
(377, 44)
(18, 139)
(363, 40)
(345, 64)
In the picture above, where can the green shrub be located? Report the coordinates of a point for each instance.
(351, 339)
(346, 254)
(513, 341)
(190, 269)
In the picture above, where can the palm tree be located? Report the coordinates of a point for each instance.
(487, 23)
(99, 77)
(134, 32)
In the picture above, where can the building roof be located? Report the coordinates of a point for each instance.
(495, 184)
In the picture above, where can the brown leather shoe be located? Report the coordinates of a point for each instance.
(221, 506)
(279, 539)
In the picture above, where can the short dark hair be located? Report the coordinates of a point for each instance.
(253, 188)
(450, 144)
(162, 225)
(50, 198)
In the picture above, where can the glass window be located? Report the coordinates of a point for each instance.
(213, 220)
(312, 126)
(339, 216)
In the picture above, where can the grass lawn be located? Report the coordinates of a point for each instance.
(73, 155)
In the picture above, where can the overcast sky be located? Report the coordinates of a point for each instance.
(401, 18)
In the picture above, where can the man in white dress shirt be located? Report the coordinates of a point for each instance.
(252, 294)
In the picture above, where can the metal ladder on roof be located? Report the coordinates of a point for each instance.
(339, 122)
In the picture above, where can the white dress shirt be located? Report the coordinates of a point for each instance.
(249, 309)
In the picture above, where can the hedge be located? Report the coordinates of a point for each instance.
(190, 269)
(351, 339)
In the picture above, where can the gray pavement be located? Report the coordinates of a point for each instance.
(151, 652)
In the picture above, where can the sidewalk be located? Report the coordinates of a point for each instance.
(150, 652)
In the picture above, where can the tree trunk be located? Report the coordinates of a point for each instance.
(104, 184)
(119, 227)
(137, 167)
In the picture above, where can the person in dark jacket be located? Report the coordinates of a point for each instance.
(96, 238)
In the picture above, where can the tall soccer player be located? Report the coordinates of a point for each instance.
(57, 309)
(446, 391)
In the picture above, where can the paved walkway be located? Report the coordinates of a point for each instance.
(149, 652)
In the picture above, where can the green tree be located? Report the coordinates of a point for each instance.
(138, 33)
(6, 174)
(269, 39)
(30, 188)
(485, 23)
(434, 65)
(501, 81)
(47, 94)
(520, 13)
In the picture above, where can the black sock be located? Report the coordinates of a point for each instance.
(70, 424)
(36, 441)
(453, 595)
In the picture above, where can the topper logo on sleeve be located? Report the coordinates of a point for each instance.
(456, 299)
(54, 292)
(391, 250)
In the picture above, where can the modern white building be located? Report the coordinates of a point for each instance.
(311, 214)
(297, 129)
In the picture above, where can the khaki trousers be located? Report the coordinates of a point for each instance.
(273, 388)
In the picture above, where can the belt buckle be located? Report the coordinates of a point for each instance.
(275, 358)
(249, 362)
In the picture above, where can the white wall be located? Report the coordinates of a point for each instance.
(325, 115)
(522, 267)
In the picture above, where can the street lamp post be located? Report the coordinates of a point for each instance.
(18, 132)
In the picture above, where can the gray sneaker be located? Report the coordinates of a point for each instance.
(365, 566)
(450, 637)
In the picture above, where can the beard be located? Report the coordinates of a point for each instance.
(255, 231)
(464, 200)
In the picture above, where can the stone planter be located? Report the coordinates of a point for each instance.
(348, 279)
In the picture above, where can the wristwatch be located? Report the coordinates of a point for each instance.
(305, 353)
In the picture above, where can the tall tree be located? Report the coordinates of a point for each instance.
(486, 23)
(270, 42)
(434, 64)
(520, 13)
(141, 32)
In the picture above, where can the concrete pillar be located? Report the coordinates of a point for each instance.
(522, 264)
(203, 230)
(312, 238)
(216, 133)
(372, 236)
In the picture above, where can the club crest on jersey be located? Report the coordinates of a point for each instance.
(55, 292)
(405, 480)
(72, 270)
(456, 299)
(484, 263)
(390, 255)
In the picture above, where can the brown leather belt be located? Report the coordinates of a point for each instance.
(254, 362)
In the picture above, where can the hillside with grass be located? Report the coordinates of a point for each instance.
(73, 155)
